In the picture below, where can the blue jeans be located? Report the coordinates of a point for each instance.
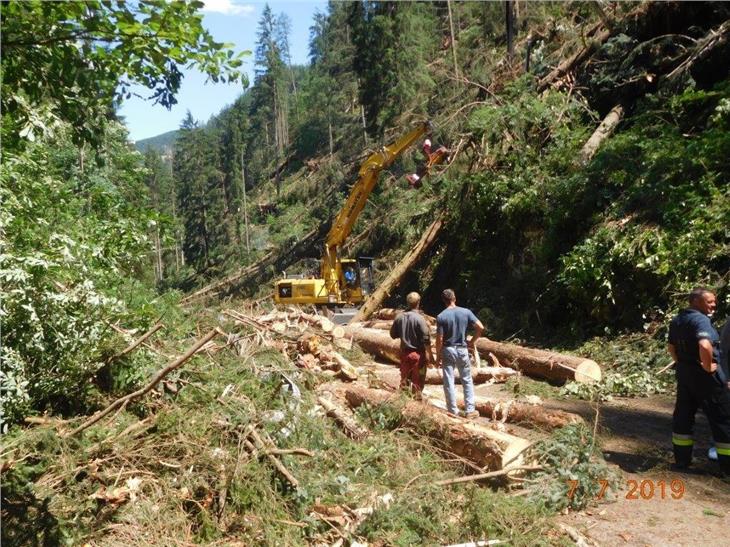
(459, 357)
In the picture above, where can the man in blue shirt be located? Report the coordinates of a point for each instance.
(694, 346)
(452, 350)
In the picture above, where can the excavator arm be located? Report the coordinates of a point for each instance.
(339, 284)
(361, 190)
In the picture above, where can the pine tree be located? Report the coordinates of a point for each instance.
(394, 43)
(201, 197)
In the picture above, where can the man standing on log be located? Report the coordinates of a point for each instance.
(452, 349)
(415, 345)
(693, 344)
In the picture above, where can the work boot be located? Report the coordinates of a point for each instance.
(469, 415)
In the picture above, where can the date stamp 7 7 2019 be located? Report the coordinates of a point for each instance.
(639, 490)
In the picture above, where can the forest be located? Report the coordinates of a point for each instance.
(585, 193)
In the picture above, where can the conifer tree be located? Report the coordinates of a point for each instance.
(394, 42)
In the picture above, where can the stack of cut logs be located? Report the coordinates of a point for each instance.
(315, 344)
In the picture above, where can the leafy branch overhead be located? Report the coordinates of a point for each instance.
(75, 60)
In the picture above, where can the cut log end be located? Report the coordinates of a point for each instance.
(588, 372)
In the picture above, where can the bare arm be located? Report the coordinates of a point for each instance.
(706, 356)
(478, 329)
(672, 352)
(439, 345)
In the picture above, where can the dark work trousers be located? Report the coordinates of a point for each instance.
(697, 389)
(412, 370)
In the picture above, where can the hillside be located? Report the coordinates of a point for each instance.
(162, 143)
(153, 392)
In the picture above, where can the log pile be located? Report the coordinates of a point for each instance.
(311, 339)
(552, 366)
(314, 343)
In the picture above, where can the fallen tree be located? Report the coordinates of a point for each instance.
(375, 300)
(434, 376)
(594, 38)
(548, 365)
(486, 447)
(602, 132)
(522, 413)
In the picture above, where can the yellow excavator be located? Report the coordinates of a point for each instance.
(347, 281)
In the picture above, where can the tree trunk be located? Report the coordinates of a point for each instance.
(484, 446)
(375, 300)
(556, 367)
(595, 38)
(245, 205)
(511, 27)
(602, 132)
(379, 344)
(482, 375)
(346, 422)
(376, 342)
(453, 41)
(548, 365)
(517, 412)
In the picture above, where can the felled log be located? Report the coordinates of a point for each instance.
(548, 365)
(712, 42)
(434, 376)
(388, 314)
(347, 423)
(517, 412)
(345, 369)
(602, 132)
(318, 321)
(496, 375)
(376, 342)
(595, 39)
(375, 300)
(486, 447)
(377, 324)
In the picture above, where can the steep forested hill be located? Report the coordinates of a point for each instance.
(163, 143)
(586, 191)
(548, 233)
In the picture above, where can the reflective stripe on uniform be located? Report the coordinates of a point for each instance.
(723, 448)
(680, 439)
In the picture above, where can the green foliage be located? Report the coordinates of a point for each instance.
(72, 237)
(570, 458)
(632, 364)
(70, 61)
(665, 225)
(383, 417)
(394, 42)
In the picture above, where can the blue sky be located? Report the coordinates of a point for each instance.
(236, 22)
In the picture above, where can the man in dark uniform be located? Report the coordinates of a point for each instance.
(694, 346)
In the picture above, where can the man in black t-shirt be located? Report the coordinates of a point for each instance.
(694, 346)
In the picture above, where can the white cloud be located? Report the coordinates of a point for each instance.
(227, 7)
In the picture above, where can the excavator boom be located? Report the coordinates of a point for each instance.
(340, 282)
(368, 177)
